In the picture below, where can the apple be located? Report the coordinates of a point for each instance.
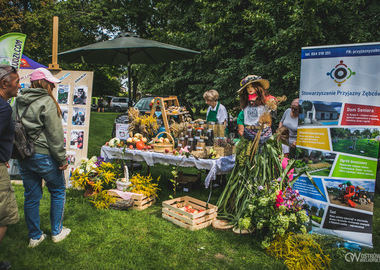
(107, 143)
(144, 139)
(131, 146)
(129, 140)
(166, 140)
(167, 150)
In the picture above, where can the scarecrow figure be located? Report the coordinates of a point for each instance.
(256, 106)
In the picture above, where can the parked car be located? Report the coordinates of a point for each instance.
(106, 103)
(144, 104)
(144, 107)
(119, 104)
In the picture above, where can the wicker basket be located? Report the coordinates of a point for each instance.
(223, 151)
(161, 147)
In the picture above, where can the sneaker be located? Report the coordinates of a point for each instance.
(59, 237)
(35, 242)
(5, 265)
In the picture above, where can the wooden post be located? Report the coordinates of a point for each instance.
(54, 64)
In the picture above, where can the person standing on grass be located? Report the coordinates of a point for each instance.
(42, 122)
(290, 121)
(101, 104)
(9, 85)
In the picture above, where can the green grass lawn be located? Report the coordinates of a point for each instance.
(111, 239)
(368, 149)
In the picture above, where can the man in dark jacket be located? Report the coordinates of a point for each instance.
(9, 85)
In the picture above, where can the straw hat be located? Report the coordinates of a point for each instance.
(251, 79)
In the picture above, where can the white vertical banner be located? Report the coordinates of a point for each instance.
(338, 137)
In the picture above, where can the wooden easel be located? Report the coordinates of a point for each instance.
(160, 102)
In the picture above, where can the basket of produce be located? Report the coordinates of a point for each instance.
(163, 145)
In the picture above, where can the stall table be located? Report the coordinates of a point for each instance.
(222, 165)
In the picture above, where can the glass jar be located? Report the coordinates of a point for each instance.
(181, 141)
(201, 144)
(210, 137)
(190, 144)
(202, 124)
(189, 133)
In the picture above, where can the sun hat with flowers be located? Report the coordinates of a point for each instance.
(251, 79)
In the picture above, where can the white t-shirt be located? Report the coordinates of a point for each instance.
(221, 115)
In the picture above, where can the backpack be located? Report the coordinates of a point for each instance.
(23, 145)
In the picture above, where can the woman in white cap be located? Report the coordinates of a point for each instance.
(42, 121)
(253, 97)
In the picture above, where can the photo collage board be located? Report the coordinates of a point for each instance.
(338, 138)
(73, 95)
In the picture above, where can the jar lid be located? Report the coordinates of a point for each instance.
(212, 123)
(191, 139)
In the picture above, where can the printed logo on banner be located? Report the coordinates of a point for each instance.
(340, 73)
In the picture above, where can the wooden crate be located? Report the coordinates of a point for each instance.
(171, 210)
(141, 201)
(188, 181)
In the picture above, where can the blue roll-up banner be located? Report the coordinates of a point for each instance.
(338, 138)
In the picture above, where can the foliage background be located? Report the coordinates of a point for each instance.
(235, 37)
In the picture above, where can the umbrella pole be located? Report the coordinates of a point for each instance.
(129, 80)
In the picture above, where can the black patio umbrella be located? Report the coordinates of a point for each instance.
(127, 49)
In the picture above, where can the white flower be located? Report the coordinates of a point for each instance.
(81, 171)
(94, 159)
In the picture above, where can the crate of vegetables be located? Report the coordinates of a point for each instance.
(189, 213)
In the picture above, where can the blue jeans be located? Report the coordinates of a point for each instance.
(32, 171)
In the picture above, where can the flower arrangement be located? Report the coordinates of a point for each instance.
(274, 211)
(144, 185)
(290, 199)
(96, 175)
(300, 251)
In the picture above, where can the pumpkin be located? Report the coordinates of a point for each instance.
(140, 145)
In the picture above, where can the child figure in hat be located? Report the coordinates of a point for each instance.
(256, 104)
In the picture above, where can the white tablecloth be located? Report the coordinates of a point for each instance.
(222, 165)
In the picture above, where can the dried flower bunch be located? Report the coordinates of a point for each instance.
(146, 125)
(219, 142)
(177, 128)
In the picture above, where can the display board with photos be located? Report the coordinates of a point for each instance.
(338, 138)
(73, 95)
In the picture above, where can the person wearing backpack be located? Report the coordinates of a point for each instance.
(42, 122)
(9, 85)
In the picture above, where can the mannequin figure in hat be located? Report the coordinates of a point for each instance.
(253, 98)
(42, 122)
